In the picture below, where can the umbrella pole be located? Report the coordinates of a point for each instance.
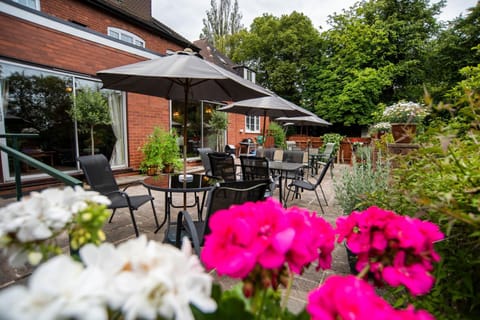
(185, 107)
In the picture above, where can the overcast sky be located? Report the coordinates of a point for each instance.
(186, 16)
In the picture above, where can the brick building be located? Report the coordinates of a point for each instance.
(50, 49)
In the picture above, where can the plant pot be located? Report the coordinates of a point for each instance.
(403, 132)
(168, 168)
(151, 171)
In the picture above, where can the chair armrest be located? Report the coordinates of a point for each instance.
(184, 216)
(135, 183)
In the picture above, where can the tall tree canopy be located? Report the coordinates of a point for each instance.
(280, 50)
(374, 52)
(222, 21)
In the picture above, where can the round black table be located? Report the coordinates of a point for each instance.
(173, 183)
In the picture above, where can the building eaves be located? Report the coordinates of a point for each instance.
(138, 12)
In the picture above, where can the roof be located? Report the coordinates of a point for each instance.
(139, 12)
(211, 54)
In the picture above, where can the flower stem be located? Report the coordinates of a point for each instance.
(289, 290)
(364, 272)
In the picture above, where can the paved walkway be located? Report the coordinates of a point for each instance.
(121, 229)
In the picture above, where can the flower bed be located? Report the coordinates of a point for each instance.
(260, 244)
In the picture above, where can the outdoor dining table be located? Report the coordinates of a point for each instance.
(173, 183)
(281, 170)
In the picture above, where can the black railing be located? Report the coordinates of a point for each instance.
(22, 157)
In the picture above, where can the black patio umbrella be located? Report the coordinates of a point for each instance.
(273, 106)
(181, 76)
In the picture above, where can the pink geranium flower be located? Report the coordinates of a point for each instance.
(396, 249)
(266, 234)
(347, 298)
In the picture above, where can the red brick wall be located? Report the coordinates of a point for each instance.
(83, 13)
(35, 44)
(236, 122)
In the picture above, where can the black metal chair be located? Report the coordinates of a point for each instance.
(303, 184)
(257, 168)
(220, 197)
(99, 176)
(223, 166)
(203, 152)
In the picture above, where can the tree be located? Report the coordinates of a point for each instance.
(90, 108)
(280, 50)
(451, 51)
(222, 21)
(375, 52)
(219, 123)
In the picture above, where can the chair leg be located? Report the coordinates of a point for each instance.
(133, 221)
(318, 199)
(324, 197)
(111, 216)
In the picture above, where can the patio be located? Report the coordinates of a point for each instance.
(121, 229)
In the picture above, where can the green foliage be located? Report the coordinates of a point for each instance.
(280, 50)
(233, 305)
(90, 108)
(361, 180)
(223, 20)
(373, 53)
(332, 138)
(278, 134)
(440, 182)
(160, 149)
(218, 122)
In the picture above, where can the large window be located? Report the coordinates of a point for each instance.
(126, 36)
(252, 124)
(38, 101)
(199, 132)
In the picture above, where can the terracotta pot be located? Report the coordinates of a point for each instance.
(403, 132)
(168, 168)
(151, 171)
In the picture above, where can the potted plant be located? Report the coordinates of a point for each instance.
(404, 118)
(89, 109)
(160, 151)
(379, 129)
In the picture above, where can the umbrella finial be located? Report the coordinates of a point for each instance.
(189, 52)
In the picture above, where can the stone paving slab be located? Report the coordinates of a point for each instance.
(121, 229)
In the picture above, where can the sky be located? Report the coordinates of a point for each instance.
(186, 16)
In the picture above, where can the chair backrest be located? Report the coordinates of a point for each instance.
(328, 152)
(254, 168)
(269, 153)
(98, 173)
(203, 152)
(293, 156)
(234, 192)
(324, 171)
(222, 165)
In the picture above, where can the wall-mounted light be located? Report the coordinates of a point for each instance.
(241, 130)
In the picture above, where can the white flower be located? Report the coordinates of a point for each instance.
(59, 289)
(147, 279)
(43, 214)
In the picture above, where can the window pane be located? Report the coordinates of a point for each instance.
(114, 34)
(126, 38)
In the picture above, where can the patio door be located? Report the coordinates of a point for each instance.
(36, 100)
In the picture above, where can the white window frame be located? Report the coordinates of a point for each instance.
(27, 3)
(255, 120)
(136, 40)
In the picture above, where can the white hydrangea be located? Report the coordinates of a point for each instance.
(140, 279)
(44, 213)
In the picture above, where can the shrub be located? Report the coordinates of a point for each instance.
(362, 178)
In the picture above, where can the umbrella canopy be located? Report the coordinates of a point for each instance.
(182, 76)
(272, 106)
(304, 121)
